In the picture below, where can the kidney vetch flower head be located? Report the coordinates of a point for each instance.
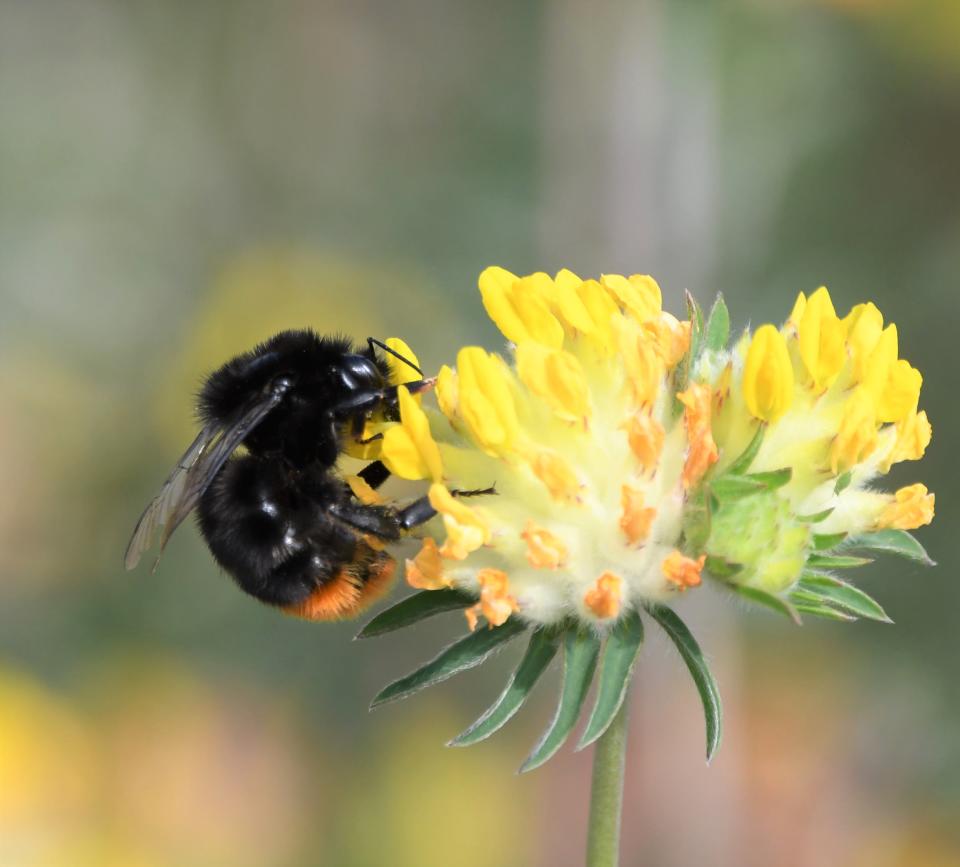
(617, 456)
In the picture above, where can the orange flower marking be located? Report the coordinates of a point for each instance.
(605, 597)
(557, 477)
(635, 520)
(683, 571)
(425, 571)
(544, 550)
(912, 507)
(703, 452)
(645, 435)
(496, 603)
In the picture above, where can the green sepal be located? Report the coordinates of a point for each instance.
(746, 457)
(768, 600)
(826, 541)
(816, 517)
(823, 611)
(415, 608)
(580, 651)
(620, 654)
(692, 655)
(717, 331)
(697, 521)
(836, 561)
(843, 482)
(722, 568)
(835, 593)
(729, 488)
(898, 542)
(466, 653)
(543, 646)
(684, 370)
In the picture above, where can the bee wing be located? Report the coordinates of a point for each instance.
(192, 476)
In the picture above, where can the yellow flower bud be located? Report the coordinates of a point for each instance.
(793, 320)
(446, 390)
(822, 340)
(864, 326)
(486, 402)
(639, 294)
(879, 364)
(602, 309)
(768, 375)
(568, 303)
(409, 450)
(902, 393)
(519, 308)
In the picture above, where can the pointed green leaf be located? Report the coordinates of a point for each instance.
(839, 594)
(619, 657)
(893, 542)
(414, 608)
(768, 600)
(823, 611)
(466, 653)
(816, 518)
(742, 463)
(843, 482)
(824, 542)
(699, 670)
(718, 325)
(728, 489)
(836, 561)
(580, 650)
(540, 651)
(773, 479)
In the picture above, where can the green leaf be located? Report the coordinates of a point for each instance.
(843, 482)
(580, 650)
(768, 600)
(619, 657)
(836, 561)
(824, 542)
(718, 325)
(742, 463)
(815, 518)
(893, 542)
(839, 594)
(466, 653)
(543, 646)
(414, 608)
(823, 611)
(720, 568)
(702, 677)
(773, 479)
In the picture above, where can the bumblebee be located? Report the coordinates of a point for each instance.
(277, 516)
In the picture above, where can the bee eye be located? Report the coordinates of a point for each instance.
(282, 384)
(361, 372)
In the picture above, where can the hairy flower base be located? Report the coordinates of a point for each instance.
(631, 452)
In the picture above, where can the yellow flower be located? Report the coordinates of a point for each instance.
(768, 375)
(864, 325)
(911, 507)
(857, 437)
(518, 307)
(557, 377)
(425, 571)
(408, 448)
(822, 340)
(466, 528)
(485, 400)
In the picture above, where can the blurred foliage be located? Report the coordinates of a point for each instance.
(180, 180)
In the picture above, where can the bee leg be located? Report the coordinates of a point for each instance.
(417, 513)
(374, 474)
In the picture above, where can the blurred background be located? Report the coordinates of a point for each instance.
(178, 180)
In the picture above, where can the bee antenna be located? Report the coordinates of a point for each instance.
(372, 341)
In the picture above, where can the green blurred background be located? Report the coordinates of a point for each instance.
(179, 179)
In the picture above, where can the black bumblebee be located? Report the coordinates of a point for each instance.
(277, 517)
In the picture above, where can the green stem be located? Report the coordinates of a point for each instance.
(606, 792)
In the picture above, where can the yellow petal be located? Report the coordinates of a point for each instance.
(793, 320)
(902, 393)
(466, 528)
(400, 371)
(605, 597)
(557, 377)
(702, 452)
(486, 400)
(768, 375)
(822, 340)
(446, 390)
(879, 364)
(518, 308)
(642, 362)
(545, 550)
(635, 519)
(864, 326)
(913, 436)
(683, 571)
(568, 303)
(409, 450)
(639, 294)
(425, 571)
(857, 436)
(671, 337)
(602, 309)
(912, 507)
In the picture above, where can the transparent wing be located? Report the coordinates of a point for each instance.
(192, 476)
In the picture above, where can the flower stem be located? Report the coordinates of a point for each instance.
(606, 792)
